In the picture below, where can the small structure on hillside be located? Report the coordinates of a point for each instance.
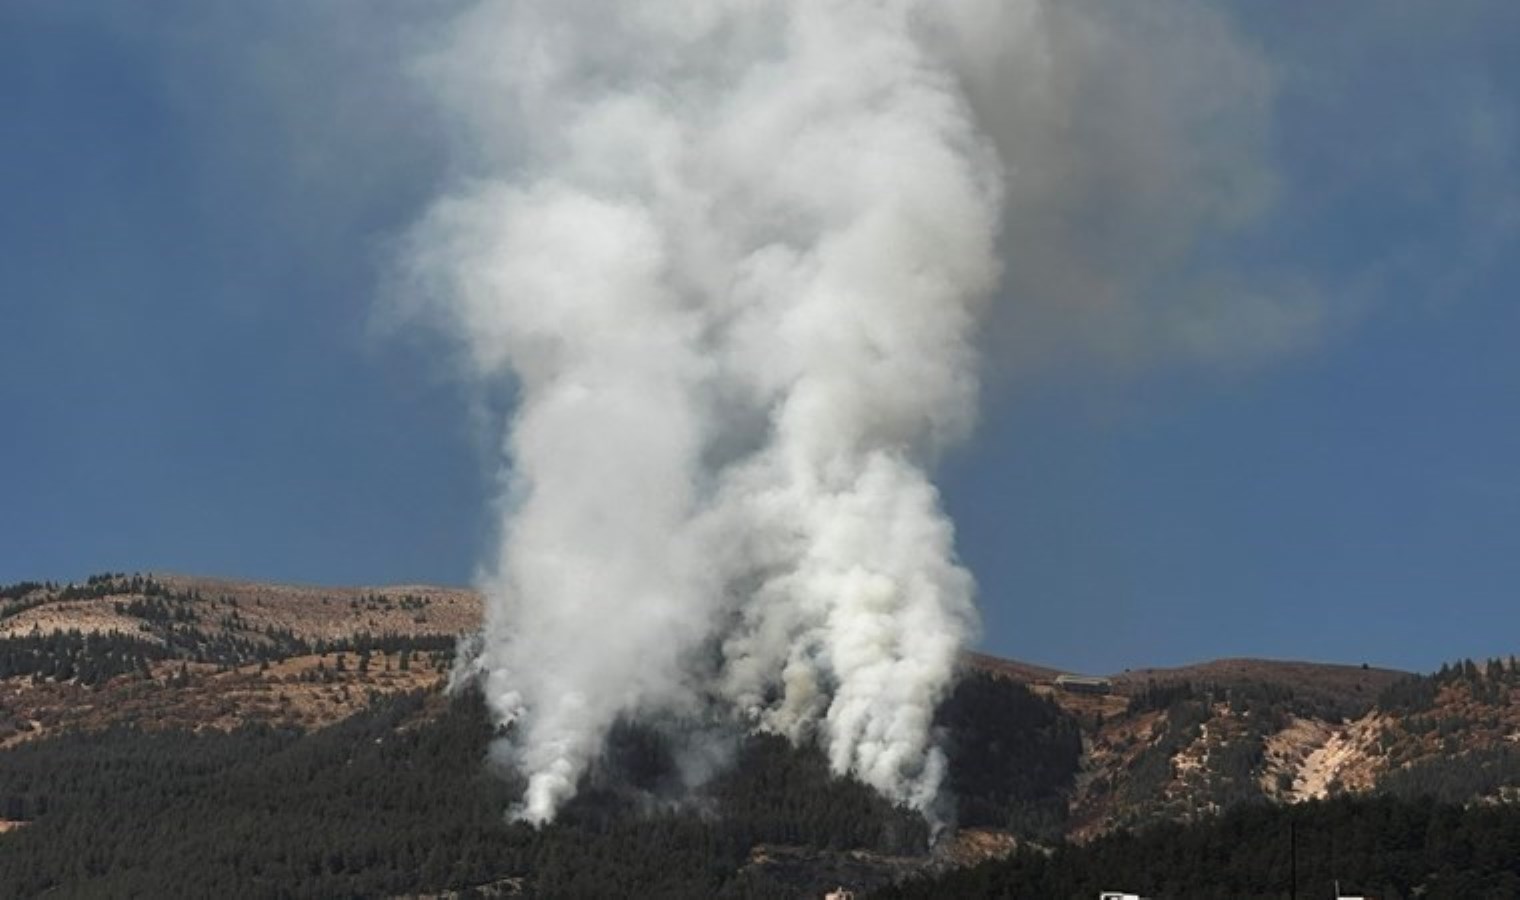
(1085, 684)
(840, 893)
(1119, 895)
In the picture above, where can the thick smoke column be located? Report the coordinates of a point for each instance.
(734, 279)
(731, 256)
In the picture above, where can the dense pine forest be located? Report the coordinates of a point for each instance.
(387, 802)
(1383, 847)
(397, 800)
(400, 800)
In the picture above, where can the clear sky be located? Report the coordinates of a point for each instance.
(198, 203)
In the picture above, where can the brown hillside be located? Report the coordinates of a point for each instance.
(1164, 744)
(214, 605)
(304, 692)
(1349, 688)
(336, 612)
(1027, 673)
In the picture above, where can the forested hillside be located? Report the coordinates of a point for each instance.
(164, 736)
(398, 800)
(169, 735)
(1380, 847)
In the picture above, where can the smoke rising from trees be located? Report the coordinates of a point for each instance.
(735, 260)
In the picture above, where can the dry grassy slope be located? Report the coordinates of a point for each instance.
(334, 613)
(1026, 673)
(1327, 758)
(305, 691)
(1298, 758)
(337, 612)
(1351, 685)
(1139, 765)
(1334, 684)
(311, 613)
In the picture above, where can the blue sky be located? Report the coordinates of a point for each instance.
(199, 202)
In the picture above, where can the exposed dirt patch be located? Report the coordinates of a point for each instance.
(1108, 753)
(1324, 758)
(1287, 752)
(1320, 772)
(970, 846)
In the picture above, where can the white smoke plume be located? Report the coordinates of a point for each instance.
(733, 257)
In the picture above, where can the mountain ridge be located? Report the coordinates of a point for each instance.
(1033, 759)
